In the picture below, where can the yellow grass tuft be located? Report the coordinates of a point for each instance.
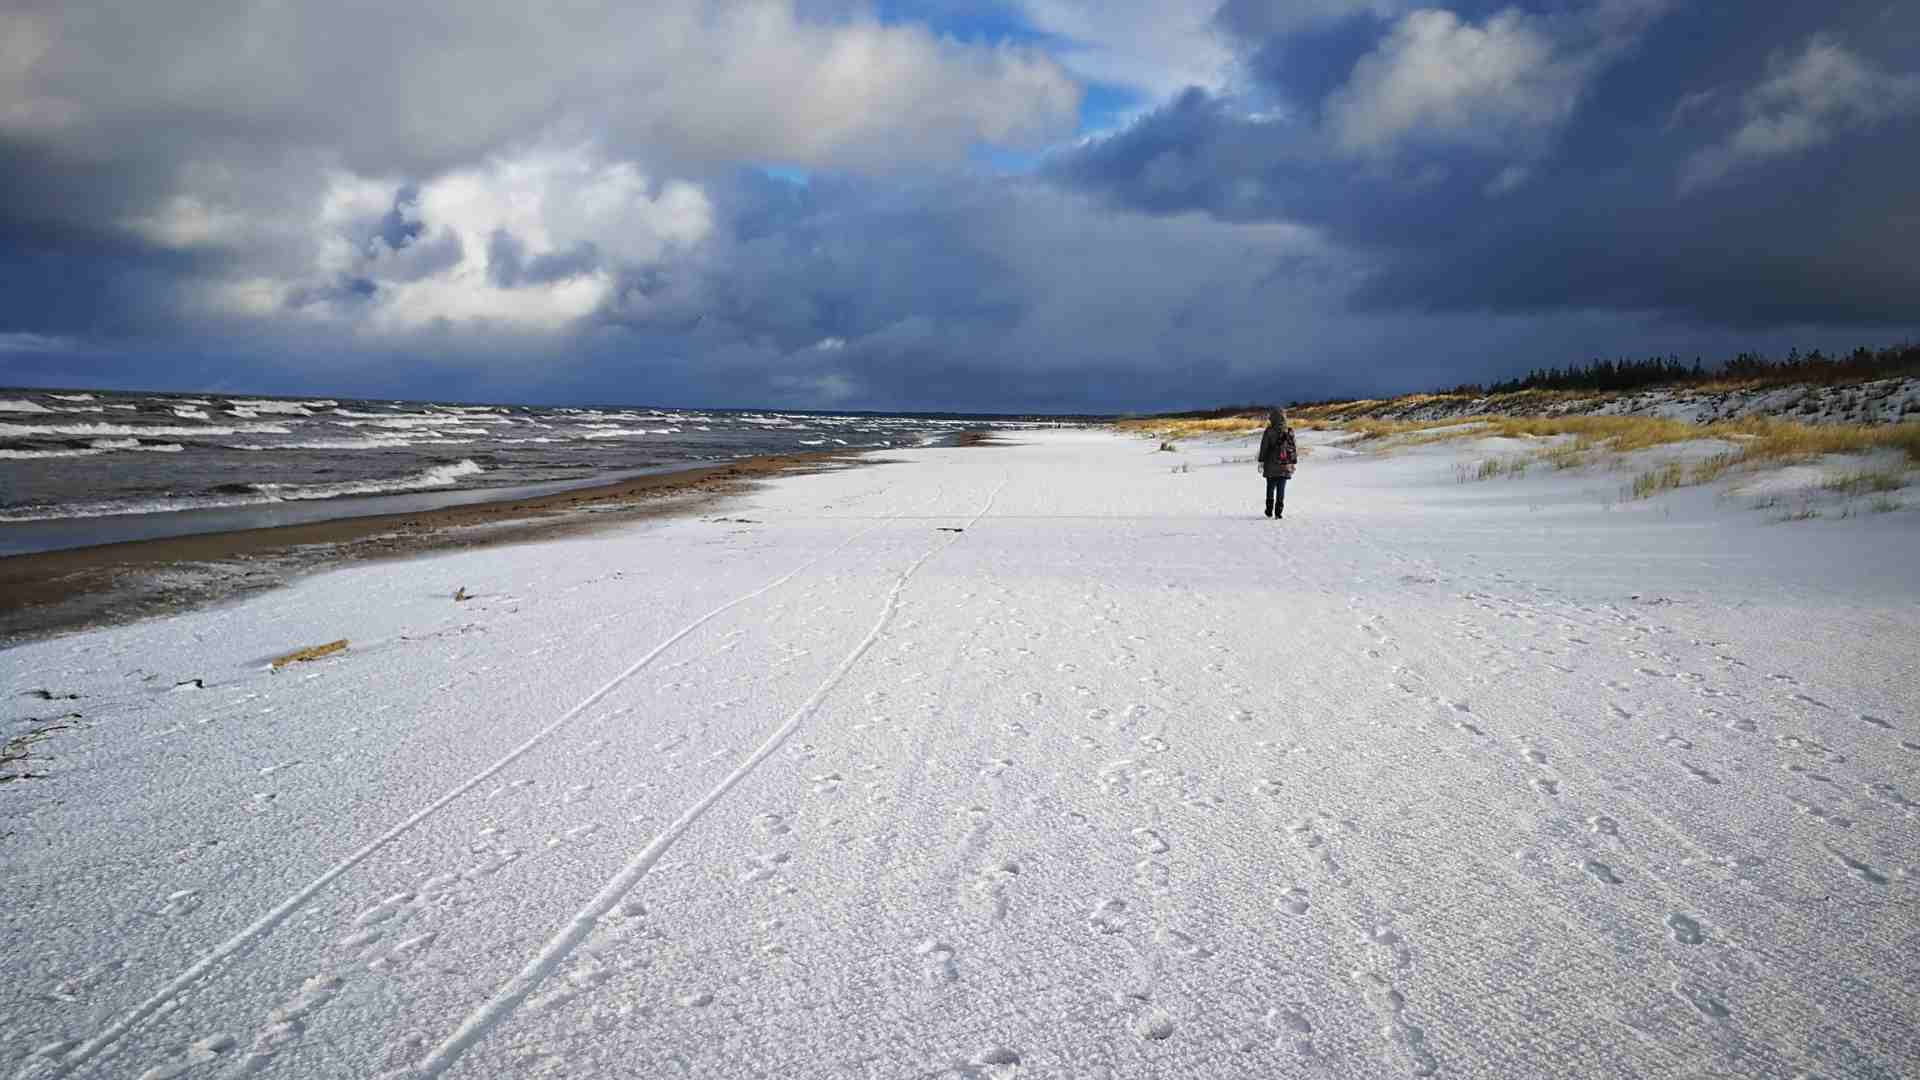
(1754, 441)
(1875, 481)
(1649, 484)
(1170, 428)
(312, 652)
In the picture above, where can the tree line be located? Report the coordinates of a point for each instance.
(1625, 374)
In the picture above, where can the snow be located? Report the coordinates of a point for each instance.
(1027, 760)
(1874, 402)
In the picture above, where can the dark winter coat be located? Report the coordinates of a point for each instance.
(1278, 454)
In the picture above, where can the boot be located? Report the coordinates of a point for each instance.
(1269, 509)
(1277, 508)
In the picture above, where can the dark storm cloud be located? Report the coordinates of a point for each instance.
(520, 209)
(1604, 213)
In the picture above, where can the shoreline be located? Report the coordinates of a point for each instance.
(51, 593)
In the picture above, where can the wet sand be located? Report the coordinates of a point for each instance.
(48, 593)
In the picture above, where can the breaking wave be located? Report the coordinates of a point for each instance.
(438, 476)
(101, 431)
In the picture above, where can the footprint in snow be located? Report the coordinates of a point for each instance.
(937, 962)
(1686, 931)
(996, 1057)
(1701, 999)
(1291, 1023)
(1151, 874)
(1109, 917)
(180, 903)
(1865, 872)
(1149, 842)
(1182, 943)
(1154, 1024)
(1701, 774)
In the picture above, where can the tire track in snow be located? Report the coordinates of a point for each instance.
(516, 990)
(264, 925)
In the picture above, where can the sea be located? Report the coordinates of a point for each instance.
(86, 467)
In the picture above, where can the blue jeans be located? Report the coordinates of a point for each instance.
(1276, 492)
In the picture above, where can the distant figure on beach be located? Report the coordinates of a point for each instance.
(1278, 455)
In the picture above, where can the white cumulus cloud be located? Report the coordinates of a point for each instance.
(530, 242)
(1805, 101)
(1505, 84)
(1159, 47)
(429, 83)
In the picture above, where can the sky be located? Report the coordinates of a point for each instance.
(1023, 205)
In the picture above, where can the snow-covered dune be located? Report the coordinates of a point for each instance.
(1047, 759)
(1880, 401)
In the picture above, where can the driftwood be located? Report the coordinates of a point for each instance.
(311, 653)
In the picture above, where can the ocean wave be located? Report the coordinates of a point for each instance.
(19, 406)
(436, 477)
(97, 431)
(408, 423)
(329, 444)
(285, 408)
(136, 444)
(100, 446)
(250, 495)
(31, 455)
(71, 397)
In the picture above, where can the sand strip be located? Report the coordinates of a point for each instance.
(47, 593)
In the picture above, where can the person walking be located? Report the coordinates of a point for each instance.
(1278, 456)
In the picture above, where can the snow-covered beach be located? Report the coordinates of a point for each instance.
(1051, 758)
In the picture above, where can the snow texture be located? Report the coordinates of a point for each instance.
(1880, 401)
(1033, 760)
